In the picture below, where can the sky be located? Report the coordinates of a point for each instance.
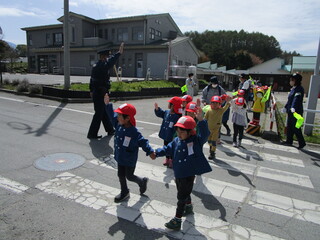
(294, 23)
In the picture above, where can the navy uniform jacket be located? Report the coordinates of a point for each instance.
(188, 157)
(100, 77)
(167, 129)
(127, 142)
(295, 100)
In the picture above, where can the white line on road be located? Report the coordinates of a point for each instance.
(12, 185)
(147, 213)
(275, 203)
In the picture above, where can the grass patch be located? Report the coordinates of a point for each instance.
(127, 86)
(281, 123)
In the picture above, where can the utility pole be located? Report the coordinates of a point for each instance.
(66, 44)
(314, 89)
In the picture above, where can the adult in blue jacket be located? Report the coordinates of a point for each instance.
(295, 104)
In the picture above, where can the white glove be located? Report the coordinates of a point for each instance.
(283, 110)
(292, 110)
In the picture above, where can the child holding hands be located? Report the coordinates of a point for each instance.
(170, 117)
(127, 141)
(188, 161)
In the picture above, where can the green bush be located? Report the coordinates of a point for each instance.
(23, 86)
(15, 82)
(35, 89)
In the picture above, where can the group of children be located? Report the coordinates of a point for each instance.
(185, 129)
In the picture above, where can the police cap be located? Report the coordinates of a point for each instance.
(297, 77)
(104, 52)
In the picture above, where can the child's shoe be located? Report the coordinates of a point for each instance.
(188, 209)
(212, 155)
(239, 143)
(166, 162)
(234, 144)
(143, 186)
(121, 197)
(174, 224)
(169, 163)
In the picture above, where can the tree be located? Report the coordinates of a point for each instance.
(22, 50)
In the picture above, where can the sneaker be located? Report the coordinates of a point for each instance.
(143, 187)
(239, 143)
(234, 144)
(166, 162)
(188, 209)
(218, 141)
(174, 224)
(212, 156)
(169, 163)
(121, 197)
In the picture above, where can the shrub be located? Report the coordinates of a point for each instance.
(15, 82)
(23, 86)
(35, 89)
(6, 81)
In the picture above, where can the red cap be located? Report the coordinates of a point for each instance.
(128, 109)
(241, 92)
(186, 122)
(265, 87)
(186, 98)
(216, 99)
(176, 102)
(191, 107)
(224, 97)
(240, 101)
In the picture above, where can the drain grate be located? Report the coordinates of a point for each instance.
(59, 162)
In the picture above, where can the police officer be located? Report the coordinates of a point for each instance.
(294, 104)
(99, 86)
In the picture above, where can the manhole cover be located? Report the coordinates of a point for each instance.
(59, 162)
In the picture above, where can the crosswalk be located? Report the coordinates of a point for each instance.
(152, 213)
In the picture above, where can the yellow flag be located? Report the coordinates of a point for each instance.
(266, 95)
(299, 118)
(184, 88)
(235, 93)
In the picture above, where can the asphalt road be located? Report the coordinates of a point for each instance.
(260, 191)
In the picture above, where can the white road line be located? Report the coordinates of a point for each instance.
(246, 154)
(147, 213)
(275, 203)
(66, 109)
(264, 172)
(12, 185)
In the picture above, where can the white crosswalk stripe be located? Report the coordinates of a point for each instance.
(274, 203)
(264, 172)
(147, 213)
(12, 185)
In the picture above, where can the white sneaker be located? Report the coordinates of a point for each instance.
(234, 144)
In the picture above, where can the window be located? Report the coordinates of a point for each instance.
(30, 39)
(137, 34)
(100, 33)
(152, 33)
(122, 34)
(48, 38)
(158, 33)
(73, 34)
(57, 39)
(113, 34)
(106, 34)
(92, 60)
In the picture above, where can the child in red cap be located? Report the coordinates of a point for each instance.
(214, 118)
(170, 117)
(239, 119)
(127, 141)
(188, 161)
(185, 100)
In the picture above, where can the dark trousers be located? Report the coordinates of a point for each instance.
(125, 172)
(237, 129)
(184, 187)
(292, 130)
(100, 115)
(165, 143)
